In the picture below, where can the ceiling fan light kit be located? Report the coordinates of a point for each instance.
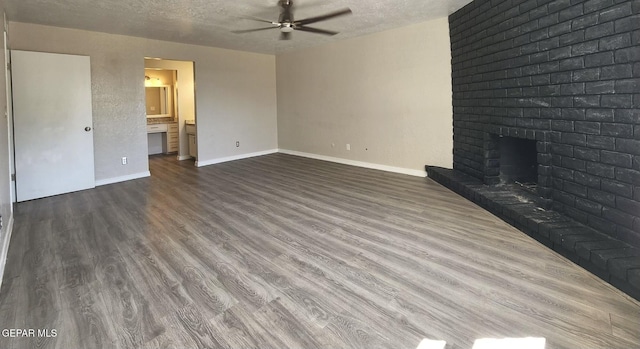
(287, 24)
(286, 28)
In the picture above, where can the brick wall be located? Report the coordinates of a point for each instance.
(566, 73)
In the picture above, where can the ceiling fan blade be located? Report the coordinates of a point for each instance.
(252, 30)
(285, 35)
(316, 30)
(310, 20)
(258, 19)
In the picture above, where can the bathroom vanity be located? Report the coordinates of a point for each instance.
(190, 128)
(162, 138)
(162, 130)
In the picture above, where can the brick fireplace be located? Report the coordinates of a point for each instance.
(559, 79)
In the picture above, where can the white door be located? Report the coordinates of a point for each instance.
(52, 124)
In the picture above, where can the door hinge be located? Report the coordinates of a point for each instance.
(13, 177)
(8, 66)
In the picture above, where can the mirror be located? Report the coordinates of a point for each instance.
(159, 101)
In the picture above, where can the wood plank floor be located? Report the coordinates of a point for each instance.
(286, 252)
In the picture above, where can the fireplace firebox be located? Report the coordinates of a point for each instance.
(518, 162)
(514, 157)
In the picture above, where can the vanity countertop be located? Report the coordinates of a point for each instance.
(160, 121)
(190, 122)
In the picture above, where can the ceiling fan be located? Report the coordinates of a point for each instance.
(287, 24)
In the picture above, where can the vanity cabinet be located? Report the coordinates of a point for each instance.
(156, 128)
(172, 142)
(190, 128)
(193, 146)
(163, 138)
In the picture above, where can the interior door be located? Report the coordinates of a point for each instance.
(52, 124)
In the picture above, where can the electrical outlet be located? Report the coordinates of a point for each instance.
(348, 146)
(124, 160)
(237, 144)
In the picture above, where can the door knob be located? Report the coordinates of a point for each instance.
(87, 128)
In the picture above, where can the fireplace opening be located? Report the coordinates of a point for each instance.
(519, 162)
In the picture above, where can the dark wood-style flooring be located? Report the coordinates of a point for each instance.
(286, 252)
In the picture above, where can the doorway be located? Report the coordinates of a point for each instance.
(171, 117)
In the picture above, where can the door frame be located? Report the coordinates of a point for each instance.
(183, 113)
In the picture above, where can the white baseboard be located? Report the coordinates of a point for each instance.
(184, 157)
(235, 157)
(4, 248)
(417, 173)
(122, 178)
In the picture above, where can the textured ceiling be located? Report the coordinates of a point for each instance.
(210, 22)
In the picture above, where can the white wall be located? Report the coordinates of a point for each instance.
(5, 178)
(386, 94)
(235, 94)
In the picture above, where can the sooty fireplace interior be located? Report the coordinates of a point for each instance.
(513, 157)
(518, 162)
